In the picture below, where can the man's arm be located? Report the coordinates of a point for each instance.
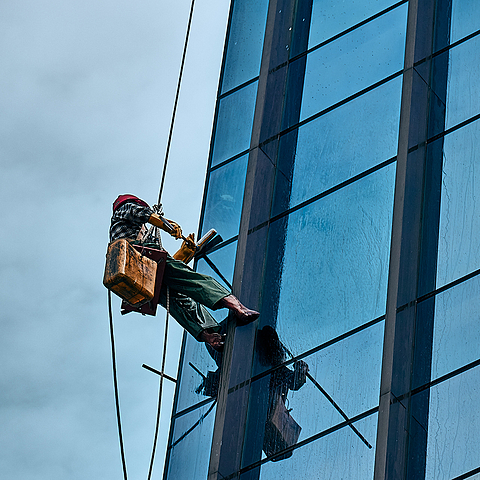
(158, 221)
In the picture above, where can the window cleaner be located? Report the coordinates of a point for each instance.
(190, 292)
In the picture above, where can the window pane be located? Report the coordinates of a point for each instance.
(454, 427)
(224, 260)
(197, 354)
(346, 142)
(465, 18)
(245, 42)
(330, 17)
(457, 327)
(463, 91)
(234, 124)
(348, 371)
(458, 248)
(354, 61)
(224, 202)
(340, 455)
(190, 457)
(336, 262)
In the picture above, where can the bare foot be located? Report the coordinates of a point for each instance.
(215, 340)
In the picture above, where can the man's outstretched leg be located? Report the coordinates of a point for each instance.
(205, 290)
(243, 315)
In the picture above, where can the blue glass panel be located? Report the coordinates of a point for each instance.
(340, 455)
(349, 372)
(336, 262)
(346, 141)
(454, 427)
(354, 61)
(234, 123)
(465, 18)
(190, 381)
(224, 201)
(330, 17)
(224, 260)
(245, 42)
(463, 91)
(457, 327)
(458, 247)
(191, 456)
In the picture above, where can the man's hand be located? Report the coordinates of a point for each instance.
(187, 250)
(173, 228)
(177, 231)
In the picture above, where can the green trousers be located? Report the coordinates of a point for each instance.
(190, 292)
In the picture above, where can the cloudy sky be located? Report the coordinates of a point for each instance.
(86, 94)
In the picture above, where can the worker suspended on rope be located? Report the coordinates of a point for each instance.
(190, 291)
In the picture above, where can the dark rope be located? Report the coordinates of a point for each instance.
(115, 386)
(170, 134)
(160, 390)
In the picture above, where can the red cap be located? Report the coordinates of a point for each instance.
(121, 199)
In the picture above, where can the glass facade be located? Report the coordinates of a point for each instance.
(343, 181)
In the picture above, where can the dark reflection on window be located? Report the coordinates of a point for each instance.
(339, 455)
(454, 427)
(197, 362)
(354, 62)
(341, 144)
(458, 246)
(234, 123)
(224, 198)
(281, 430)
(330, 17)
(188, 455)
(245, 42)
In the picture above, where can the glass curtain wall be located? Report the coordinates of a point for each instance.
(452, 302)
(194, 404)
(326, 277)
(313, 403)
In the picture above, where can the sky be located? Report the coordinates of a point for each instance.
(86, 96)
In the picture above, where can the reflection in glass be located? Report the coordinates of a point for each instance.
(224, 198)
(354, 61)
(349, 372)
(340, 455)
(454, 427)
(336, 262)
(465, 18)
(347, 141)
(234, 123)
(281, 430)
(192, 439)
(458, 246)
(330, 17)
(463, 91)
(322, 390)
(245, 42)
(196, 359)
(457, 327)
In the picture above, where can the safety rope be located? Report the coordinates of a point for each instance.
(115, 386)
(165, 163)
(174, 113)
(160, 389)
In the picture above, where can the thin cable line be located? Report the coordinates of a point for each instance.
(160, 389)
(115, 386)
(172, 122)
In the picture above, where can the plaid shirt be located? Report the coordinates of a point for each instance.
(128, 220)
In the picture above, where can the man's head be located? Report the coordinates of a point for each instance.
(121, 199)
